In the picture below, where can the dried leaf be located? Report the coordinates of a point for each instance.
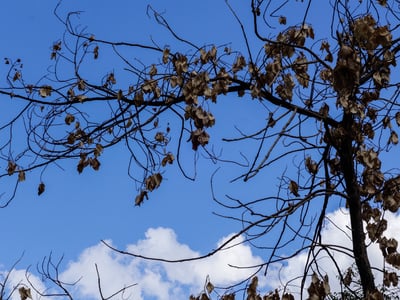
(382, 2)
(294, 188)
(286, 296)
(326, 285)
(199, 137)
(11, 167)
(168, 159)
(21, 176)
(348, 278)
(81, 98)
(96, 52)
(94, 163)
(140, 198)
(311, 165)
(165, 57)
(81, 85)
(159, 137)
(24, 293)
(397, 116)
(394, 138)
(41, 188)
(82, 164)
(45, 91)
(17, 76)
(282, 20)
(69, 119)
(209, 287)
(153, 71)
(153, 181)
(98, 150)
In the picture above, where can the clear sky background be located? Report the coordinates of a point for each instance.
(77, 211)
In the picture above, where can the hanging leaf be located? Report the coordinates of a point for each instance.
(24, 293)
(153, 181)
(96, 52)
(140, 198)
(21, 176)
(153, 71)
(168, 159)
(41, 188)
(11, 168)
(94, 163)
(165, 57)
(209, 287)
(326, 285)
(17, 76)
(394, 138)
(98, 150)
(311, 165)
(294, 188)
(69, 119)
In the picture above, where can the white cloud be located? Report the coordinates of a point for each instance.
(157, 280)
(338, 232)
(17, 278)
(162, 281)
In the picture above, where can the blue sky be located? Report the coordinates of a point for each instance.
(77, 211)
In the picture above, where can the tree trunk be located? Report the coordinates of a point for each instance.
(354, 202)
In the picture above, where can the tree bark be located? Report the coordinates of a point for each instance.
(354, 202)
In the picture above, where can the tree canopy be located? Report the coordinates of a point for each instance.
(327, 93)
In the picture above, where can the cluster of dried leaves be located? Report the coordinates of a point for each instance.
(318, 289)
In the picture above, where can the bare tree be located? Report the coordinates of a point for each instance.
(330, 106)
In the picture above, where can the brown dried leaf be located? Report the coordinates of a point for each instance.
(69, 119)
(96, 52)
(394, 138)
(397, 116)
(153, 181)
(41, 188)
(98, 150)
(11, 167)
(17, 76)
(153, 71)
(45, 91)
(239, 64)
(24, 293)
(282, 20)
(21, 176)
(165, 57)
(94, 163)
(168, 159)
(326, 285)
(294, 188)
(285, 296)
(83, 163)
(159, 137)
(285, 88)
(199, 137)
(311, 165)
(140, 198)
(81, 85)
(209, 287)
